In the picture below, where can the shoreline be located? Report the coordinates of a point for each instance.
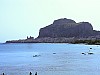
(86, 41)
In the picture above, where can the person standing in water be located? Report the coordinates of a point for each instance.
(36, 73)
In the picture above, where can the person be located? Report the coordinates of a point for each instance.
(30, 73)
(3, 74)
(36, 73)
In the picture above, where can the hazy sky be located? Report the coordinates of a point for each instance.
(21, 18)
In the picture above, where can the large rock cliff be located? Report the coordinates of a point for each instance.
(67, 28)
(65, 31)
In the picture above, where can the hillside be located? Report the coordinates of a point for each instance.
(67, 28)
(64, 31)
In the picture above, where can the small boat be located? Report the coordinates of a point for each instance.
(84, 53)
(90, 53)
(54, 53)
(36, 55)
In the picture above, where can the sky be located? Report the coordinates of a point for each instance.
(22, 18)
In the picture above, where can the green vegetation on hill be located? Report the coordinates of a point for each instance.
(96, 42)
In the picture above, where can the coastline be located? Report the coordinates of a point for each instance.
(65, 31)
(87, 41)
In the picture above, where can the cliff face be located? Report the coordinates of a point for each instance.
(64, 31)
(67, 28)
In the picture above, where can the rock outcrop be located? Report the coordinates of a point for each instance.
(64, 31)
(67, 28)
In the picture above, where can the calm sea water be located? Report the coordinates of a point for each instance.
(53, 59)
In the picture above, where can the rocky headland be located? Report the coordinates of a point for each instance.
(64, 31)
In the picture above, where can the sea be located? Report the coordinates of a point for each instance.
(49, 59)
